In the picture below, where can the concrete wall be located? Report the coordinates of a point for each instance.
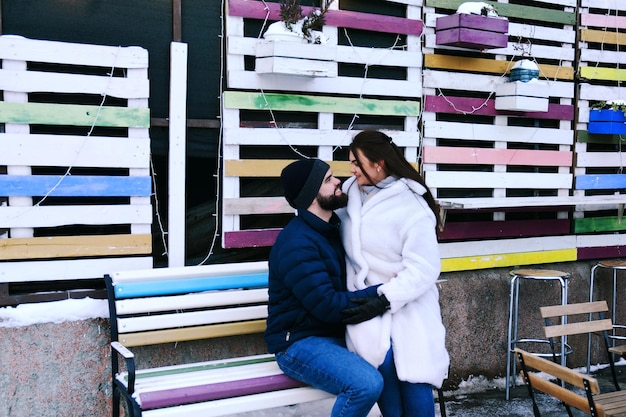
(52, 370)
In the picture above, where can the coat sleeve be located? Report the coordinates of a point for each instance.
(421, 263)
(307, 276)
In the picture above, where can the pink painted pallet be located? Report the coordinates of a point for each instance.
(494, 169)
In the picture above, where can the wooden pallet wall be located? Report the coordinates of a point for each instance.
(74, 156)
(600, 159)
(508, 169)
(282, 117)
(521, 187)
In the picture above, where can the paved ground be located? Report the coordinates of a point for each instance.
(491, 402)
(476, 398)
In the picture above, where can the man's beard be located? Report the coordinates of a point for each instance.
(332, 202)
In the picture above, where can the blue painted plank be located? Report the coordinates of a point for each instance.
(600, 182)
(74, 186)
(606, 116)
(607, 128)
(185, 286)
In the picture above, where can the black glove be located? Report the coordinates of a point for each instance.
(367, 309)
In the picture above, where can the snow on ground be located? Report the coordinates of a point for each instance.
(53, 312)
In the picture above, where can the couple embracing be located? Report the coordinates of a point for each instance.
(353, 303)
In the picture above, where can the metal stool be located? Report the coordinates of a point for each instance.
(614, 265)
(536, 274)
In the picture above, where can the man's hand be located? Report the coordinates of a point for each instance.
(367, 308)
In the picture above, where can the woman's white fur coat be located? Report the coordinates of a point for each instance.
(391, 240)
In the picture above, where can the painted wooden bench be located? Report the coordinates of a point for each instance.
(171, 305)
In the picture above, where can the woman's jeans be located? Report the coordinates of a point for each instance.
(325, 363)
(401, 398)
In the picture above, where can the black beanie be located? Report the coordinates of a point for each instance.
(302, 181)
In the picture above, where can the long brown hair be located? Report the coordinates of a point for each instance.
(377, 146)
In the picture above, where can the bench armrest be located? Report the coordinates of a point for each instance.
(129, 357)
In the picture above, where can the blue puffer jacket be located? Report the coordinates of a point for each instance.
(307, 286)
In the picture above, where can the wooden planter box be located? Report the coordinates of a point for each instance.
(472, 31)
(292, 58)
(522, 96)
(607, 122)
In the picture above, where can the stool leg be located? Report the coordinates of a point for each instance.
(614, 308)
(564, 284)
(591, 284)
(512, 333)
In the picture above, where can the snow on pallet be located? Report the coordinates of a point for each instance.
(273, 118)
(600, 163)
(76, 150)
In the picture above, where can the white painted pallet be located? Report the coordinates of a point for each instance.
(126, 80)
(327, 132)
(501, 134)
(407, 55)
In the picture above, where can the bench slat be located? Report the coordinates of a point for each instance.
(209, 392)
(192, 333)
(211, 372)
(202, 366)
(178, 286)
(189, 301)
(194, 318)
(185, 272)
(243, 404)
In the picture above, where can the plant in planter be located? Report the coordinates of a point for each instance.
(276, 54)
(295, 25)
(607, 117)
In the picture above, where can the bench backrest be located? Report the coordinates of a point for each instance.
(187, 303)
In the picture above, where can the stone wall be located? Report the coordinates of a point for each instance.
(53, 370)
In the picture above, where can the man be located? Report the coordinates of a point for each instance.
(307, 293)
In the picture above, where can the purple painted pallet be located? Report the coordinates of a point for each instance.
(504, 229)
(257, 238)
(457, 105)
(601, 252)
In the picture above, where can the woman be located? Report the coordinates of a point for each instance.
(389, 234)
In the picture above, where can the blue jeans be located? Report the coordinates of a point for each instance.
(325, 363)
(401, 398)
